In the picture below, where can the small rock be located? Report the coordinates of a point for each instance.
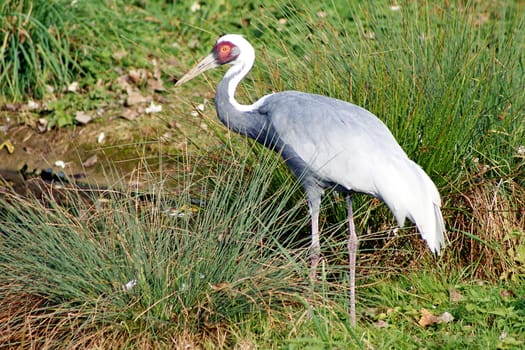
(381, 324)
(455, 296)
(42, 124)
(82, 117)
(101, 137)
(32, 105)
(156, 85)
(73, 87)
(445, 317)
(91, 161)
(60, 164)
(123, 83)
(135, 98)
(138, 76)
(100, 111)
(153, 108)
(129, 114)
(427, 318)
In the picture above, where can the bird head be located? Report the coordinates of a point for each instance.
(229, 49)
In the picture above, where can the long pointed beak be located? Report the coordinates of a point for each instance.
(205, 64)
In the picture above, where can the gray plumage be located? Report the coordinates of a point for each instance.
(327, 143)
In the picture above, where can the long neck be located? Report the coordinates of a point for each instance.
(246, 120)
(232, 114)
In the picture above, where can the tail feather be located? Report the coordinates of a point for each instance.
(440, 229)
(434, 236)
(409, 192)
(429, 221)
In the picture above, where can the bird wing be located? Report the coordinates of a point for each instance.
(341, 142)
(344, 144)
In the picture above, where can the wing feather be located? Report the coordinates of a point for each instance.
(347, 145)
(352, 145)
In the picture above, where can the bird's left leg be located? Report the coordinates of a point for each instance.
(352, 252)
(314, 204)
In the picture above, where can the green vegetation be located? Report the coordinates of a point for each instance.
(218, 258)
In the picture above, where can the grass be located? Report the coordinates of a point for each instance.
(222, 274)
(195, 269)
(446, 77)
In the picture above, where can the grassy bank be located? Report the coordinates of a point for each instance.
(218, 256)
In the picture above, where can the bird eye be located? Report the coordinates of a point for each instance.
(225, 52)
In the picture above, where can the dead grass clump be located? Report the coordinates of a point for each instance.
(15, 318)
(29, 321)
(489, 222)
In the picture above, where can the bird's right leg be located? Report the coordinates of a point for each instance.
(315, 248)
(314, 204)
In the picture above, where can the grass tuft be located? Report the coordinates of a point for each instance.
(35, 47)
(197, 269)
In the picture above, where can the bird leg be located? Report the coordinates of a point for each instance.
(315, 248)
(352, 251)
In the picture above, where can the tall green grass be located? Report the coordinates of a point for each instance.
(48, 44)
(35, 49)
(197, 269)
(447, 87)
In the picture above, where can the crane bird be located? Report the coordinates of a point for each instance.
(328, 144)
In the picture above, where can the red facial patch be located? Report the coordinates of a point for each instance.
(225, 52)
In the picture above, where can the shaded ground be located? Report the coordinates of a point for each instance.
(102, 151)
(73, 151)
